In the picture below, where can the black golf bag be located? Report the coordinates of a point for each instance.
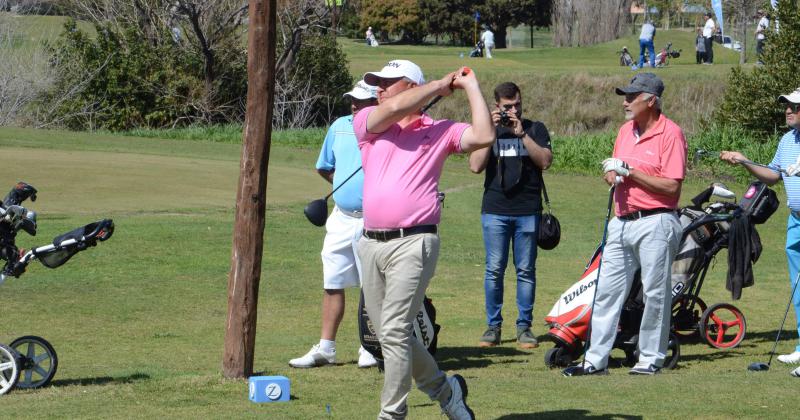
(426, 330)
(478, 50)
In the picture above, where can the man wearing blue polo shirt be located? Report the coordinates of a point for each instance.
(338, 159)
(787, 156)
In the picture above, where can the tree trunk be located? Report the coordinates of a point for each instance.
(587, 22)
(248, 230)
(500, 37)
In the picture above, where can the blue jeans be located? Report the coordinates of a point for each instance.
(650, 49)
(521, 232)
(793, 257)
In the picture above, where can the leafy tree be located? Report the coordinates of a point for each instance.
(399, 17)
(750, 100)
(498, 15)
(451, 18)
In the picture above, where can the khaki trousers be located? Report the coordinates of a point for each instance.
(396, 274)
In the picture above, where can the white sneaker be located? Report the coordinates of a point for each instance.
(314, 358)
(365, 358)
(790, 359)
(795, 373)
(457, 408)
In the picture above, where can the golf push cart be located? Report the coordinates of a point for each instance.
(30, 361)
(707, 229)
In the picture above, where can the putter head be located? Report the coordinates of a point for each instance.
(317, 212)
(758, 367)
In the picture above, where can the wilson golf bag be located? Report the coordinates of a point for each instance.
(706, 230)
(426, 330)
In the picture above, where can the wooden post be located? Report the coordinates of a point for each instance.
(248, 231)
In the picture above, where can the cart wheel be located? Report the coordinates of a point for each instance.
(557, 357)
(670, 362)
(9, 369)
(673, 352)
(723, 326)
(38, 361)
(686, 313)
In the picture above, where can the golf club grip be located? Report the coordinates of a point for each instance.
(438, 98)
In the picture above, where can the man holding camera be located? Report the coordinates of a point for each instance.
(511, 209)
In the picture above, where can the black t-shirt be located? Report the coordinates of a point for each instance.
(513, 183)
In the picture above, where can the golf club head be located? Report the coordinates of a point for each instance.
(722, 191)
(317, 212)
(758, 367)
(697, 155)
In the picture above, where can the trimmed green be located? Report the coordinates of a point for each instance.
(138, 322)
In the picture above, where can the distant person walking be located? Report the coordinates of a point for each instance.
(761, 28)
(646, 42)
(709, 29)
(488, 42)
(370, 36)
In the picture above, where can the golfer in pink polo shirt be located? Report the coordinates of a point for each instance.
(403, 152)
(648, 167)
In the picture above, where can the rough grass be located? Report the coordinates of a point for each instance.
(138, 322)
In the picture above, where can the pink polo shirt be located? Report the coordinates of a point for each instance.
(661, 152)
(402, 167)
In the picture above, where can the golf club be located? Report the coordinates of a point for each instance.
(761, 366)
(317, 211)
(433, 101)
(700, 153)
(597, 281)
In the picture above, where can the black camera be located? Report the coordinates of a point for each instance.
(504, 118)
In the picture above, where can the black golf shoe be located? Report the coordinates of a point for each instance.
(583, 370)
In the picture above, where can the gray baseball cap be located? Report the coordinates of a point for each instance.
(643, 82)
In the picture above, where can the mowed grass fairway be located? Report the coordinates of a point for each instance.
(138, 322)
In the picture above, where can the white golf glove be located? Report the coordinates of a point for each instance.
(794, 168)
(616, 165)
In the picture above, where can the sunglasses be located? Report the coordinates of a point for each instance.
(794, 107)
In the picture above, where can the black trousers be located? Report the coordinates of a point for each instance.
(709, 50)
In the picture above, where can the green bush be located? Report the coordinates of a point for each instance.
(119, 80)
(750, 101)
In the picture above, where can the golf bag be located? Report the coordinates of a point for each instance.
(705, 233)
(426, 330)
(662, 58)
(478, 50)
(625, 58)
(14, 217)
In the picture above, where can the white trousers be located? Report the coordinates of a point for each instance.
(649, 243)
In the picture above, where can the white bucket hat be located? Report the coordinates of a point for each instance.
(363, 91)
(793, 97)
(396, 69)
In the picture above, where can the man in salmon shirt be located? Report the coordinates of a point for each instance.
(648, 167)
(403, 152)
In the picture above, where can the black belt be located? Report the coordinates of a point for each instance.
(644, 213)
(388, 235)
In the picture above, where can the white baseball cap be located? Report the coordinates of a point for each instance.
(793, 97)
(363, 91)
(394, 70)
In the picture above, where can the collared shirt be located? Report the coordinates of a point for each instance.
(648, 32)
(708, 28)
(488, 37)
(661, 152)
(787, 153)
(762, 26)
(402, 167)
(340, 154)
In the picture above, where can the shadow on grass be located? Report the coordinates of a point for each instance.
(452, 358)
(719, 355)
(786, 335)
(568, 414)
(101, 380)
